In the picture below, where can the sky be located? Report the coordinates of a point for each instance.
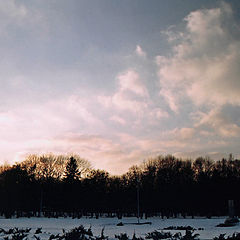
(118, 82)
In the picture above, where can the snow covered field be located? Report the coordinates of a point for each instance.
(52, 225)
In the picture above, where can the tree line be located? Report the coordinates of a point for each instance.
(61, 185)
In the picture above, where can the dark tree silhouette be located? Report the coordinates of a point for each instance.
(167, 186)
(72, 173)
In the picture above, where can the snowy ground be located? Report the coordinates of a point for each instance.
(51, 225)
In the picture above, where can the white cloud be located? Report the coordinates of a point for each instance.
(202, 74)
(118, 119)
(131, 95)
(183, 133)
(53, 117)
(117, 128)
(170, 99)
(203, 66)
(130, 81)
(11, 13)
(220, 122)
(25, 17)
(11, 10)
(105, 101)
(124, 101)
(132, 101)
(102, 152)
(140, 52)
(158, 113)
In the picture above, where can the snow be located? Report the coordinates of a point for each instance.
(55, 226)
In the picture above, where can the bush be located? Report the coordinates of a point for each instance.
(158, 235)
(122, 236)
(78, 233)
(235, 236)
(189, 235)
(38, 231)
(102, 236)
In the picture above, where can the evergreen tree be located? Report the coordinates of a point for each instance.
(72, 173)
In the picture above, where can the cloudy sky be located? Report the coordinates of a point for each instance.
(119, 81)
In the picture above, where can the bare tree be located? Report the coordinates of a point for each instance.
(47, 166)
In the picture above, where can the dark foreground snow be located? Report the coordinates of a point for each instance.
(55, 226)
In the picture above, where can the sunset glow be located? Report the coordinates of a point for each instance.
(118, 82)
